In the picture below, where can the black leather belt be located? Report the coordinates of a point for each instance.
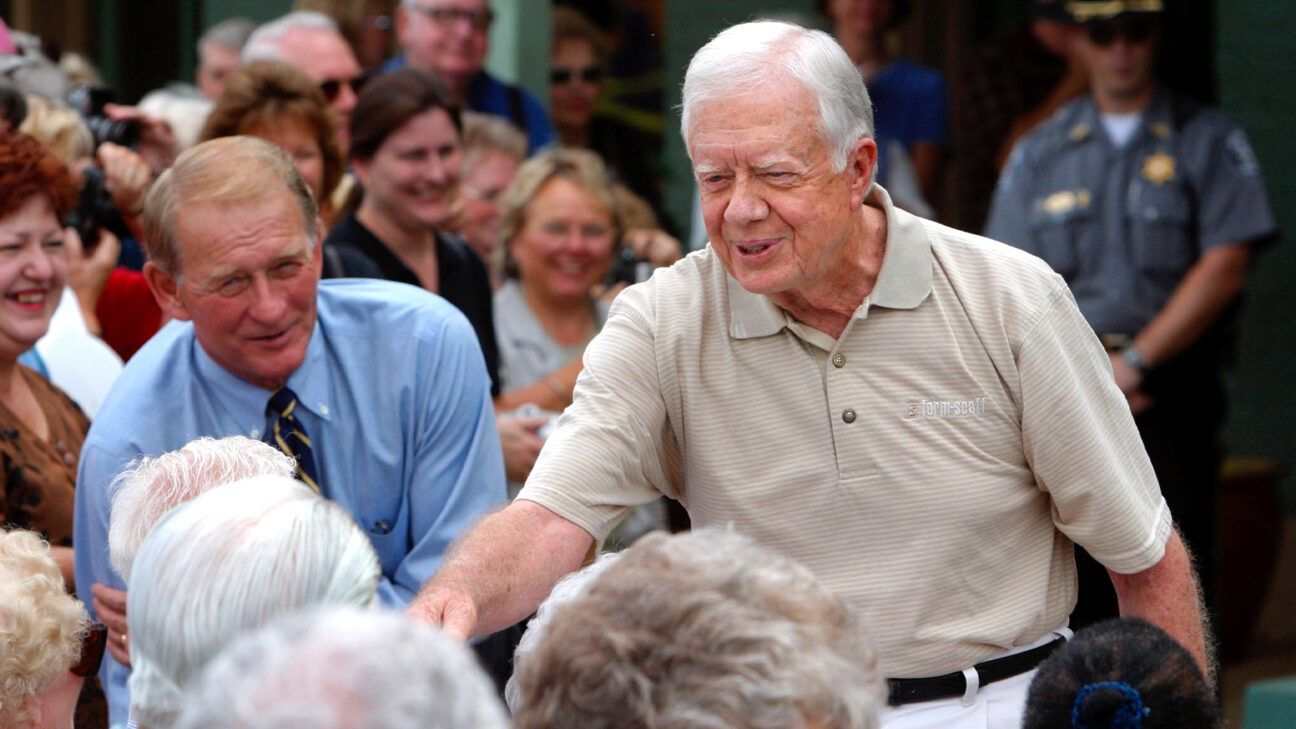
(951, 685)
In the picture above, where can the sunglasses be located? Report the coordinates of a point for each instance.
(479, 20)
(589, 74)
(1133, 30)
(332, 87)
(92, 651)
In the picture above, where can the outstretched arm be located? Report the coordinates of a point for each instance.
(500, 571)
(1166, 595)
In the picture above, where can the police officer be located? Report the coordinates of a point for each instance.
(1151, 207)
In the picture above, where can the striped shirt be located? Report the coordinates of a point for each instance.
(932, 465)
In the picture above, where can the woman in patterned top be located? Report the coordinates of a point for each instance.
(41, 429)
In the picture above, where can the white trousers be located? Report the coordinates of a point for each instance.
(997, 706)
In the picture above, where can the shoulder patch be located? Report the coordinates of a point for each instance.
(1240, 153)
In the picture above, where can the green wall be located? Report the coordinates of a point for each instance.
(1256, 67)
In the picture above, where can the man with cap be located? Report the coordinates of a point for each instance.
(1151, 207)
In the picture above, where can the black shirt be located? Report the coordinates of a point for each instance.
(464, 281)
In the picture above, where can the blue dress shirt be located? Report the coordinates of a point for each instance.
(394, 395)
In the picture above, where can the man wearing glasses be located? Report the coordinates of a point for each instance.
(312, 42)
(448, 38)
(1151, 207)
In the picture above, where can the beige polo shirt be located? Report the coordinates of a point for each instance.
(932, 466)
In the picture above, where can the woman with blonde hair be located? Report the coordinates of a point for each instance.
(48, 647)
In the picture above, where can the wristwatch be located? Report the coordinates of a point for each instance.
(1133, 357)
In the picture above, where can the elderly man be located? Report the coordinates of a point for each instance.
(1151, 207)
(701, 629)
(312, 42)
(448, 38)
(378, 389)
(218, 54)
(320, 668)
(920, 416)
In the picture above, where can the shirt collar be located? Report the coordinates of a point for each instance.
(904, 281)
(245, 402)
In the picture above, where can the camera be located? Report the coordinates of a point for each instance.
(89, 102)
(628, 268)
(95, 211)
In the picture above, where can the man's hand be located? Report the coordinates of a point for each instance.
(110, 607)
(451, 610)
(520, 442)
(1130, 382)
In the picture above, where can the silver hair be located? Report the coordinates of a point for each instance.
(147, 488)
(266, 42)
(487, 132)
(227, 562)
(342, 668)
(703, 630)
(232, 33)
(752, 56)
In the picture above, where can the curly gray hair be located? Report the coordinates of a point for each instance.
(702, 630)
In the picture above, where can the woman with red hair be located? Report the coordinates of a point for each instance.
(41, 429)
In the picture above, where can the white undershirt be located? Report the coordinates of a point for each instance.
(1120, 127)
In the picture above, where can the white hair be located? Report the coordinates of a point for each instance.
(266, 42)
(233, 33)
(185, 113)
(227, 562)
(147, 488)
(750, 57)
(568, 588)
(343, 668)
(703, 629)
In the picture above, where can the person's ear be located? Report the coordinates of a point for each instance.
(861, 166)
(360, 168)
(166, 291)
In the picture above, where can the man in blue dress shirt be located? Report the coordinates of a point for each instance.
(386, 381)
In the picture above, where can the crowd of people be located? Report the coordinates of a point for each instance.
(348, 390)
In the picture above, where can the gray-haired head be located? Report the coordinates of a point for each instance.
(704, 629)
(147, 488)
(342, 668)
(233, 33)
(266, 42)
(749, 57)
(227, 562)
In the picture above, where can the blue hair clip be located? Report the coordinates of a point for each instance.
(1130, 716)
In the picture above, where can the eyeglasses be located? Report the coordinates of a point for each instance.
(92, 650)
(589, 74)
(1133, 30)
(480, 20)
(333, 86)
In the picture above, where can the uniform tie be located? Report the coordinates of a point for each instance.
(289, 436)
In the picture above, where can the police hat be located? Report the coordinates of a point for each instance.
(1089, 11)
(1055, 10)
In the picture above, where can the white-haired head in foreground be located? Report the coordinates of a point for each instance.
(228, 562)
(704, 629)
(147, 488)
(751, 57)
(343, 668)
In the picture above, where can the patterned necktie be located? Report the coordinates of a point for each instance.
(289, 436)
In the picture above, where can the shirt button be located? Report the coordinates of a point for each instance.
(254, 433)
(848, 416)
(323, 409)
(839, 360)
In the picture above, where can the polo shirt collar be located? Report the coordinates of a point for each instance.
(904, 281)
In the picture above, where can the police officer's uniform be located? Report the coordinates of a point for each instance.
(1123, 225)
